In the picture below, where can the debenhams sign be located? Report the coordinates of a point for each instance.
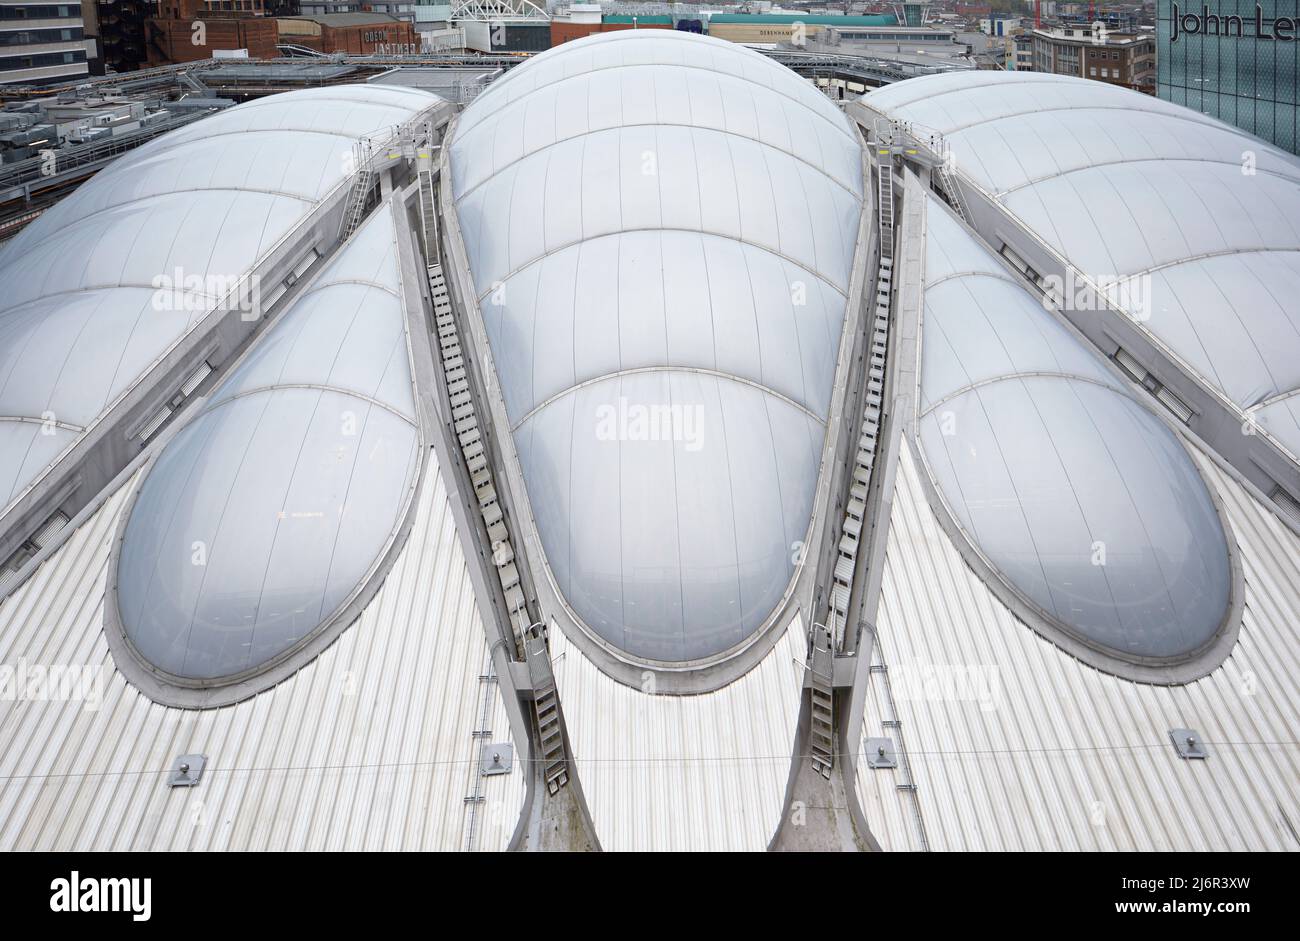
(1206, 23)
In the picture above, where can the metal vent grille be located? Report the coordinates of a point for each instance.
(1288, 504)
(45, 535)
(1175, 405)
(272, 296)
(305, 262)
(1136, 370)
(151, 427)
(196, 379)
(1020, 264)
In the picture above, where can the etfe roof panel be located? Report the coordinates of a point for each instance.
(661, 231)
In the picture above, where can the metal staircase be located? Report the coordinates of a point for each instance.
(821, 670)
(472, 446)
(530, 641)
(546, 706)
(949, 185)
(855, 511)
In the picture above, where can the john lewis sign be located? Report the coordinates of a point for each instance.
(1205, 23)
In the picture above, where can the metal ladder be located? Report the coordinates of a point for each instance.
(482, 735)
(948, 179)
(359, 194)
(908, 783)
(885, 198)
(546, 705)
(428, 212)
(821, 667)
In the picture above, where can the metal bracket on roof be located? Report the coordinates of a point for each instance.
(881, 753)
(187, 770)
(496, 758)
(1188, 743)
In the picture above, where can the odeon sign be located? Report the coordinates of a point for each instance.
(1284, 27)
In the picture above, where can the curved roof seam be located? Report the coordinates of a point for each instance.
(34, 420)
(219, 133)
(1128, 161)
(158, 196)
(974, 273)
(95, 289)
(649, 228)
(1155, 113)
(665, 368)
(1263, 403)
(1203, 256)
(619, 128)
(314, 386)
(359, 282)
(675, 65)
(1040, 78)
(1006, 377)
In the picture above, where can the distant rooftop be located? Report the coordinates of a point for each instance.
(621, 18)
(883, 19)
(345, 19)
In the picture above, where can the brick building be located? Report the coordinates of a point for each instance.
(354, 33)
(1127, 59)
(191, 39)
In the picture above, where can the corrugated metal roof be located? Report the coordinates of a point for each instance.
(1063, 756)
(704, 772)
(368, 747)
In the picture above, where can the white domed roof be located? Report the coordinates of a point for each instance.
(1194, 222)
(80, 321)
(661, 230)
(1083, 502)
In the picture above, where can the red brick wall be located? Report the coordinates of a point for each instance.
(175, 37)
(366, 39)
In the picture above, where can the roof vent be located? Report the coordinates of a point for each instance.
(1136, 371)
(1288, 504)
(1180, 409)
(153, 424)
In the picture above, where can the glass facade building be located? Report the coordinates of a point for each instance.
(1236, 60)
